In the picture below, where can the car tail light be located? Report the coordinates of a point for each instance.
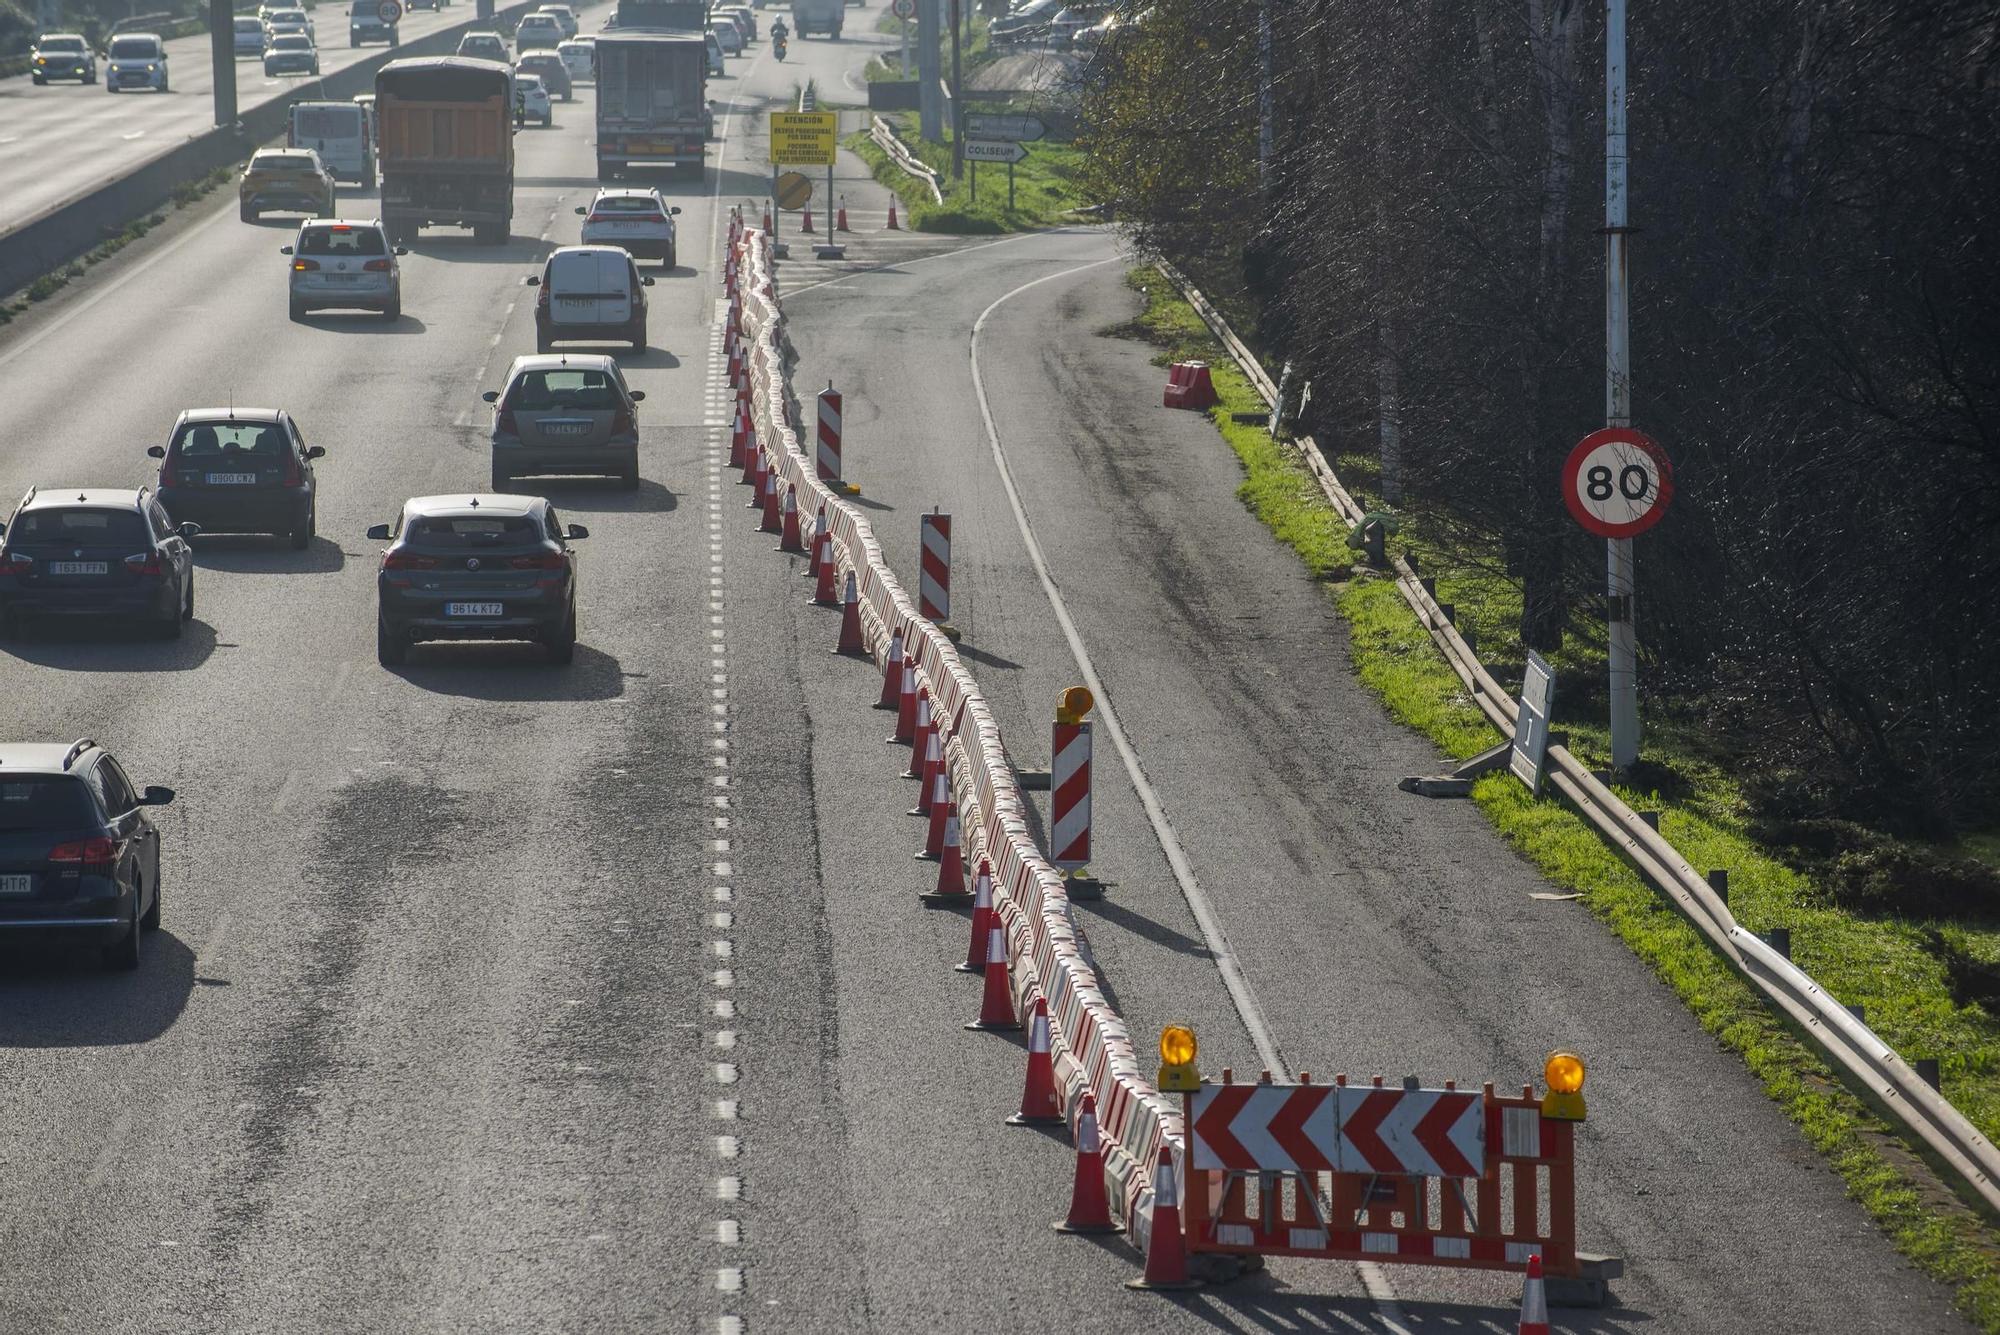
(85, 853)
(540, 561)
(302, 266)
(377, 266)
(294, 475)
(505, 422)
(621, 422)
(168, 477)
(393, 560)
(145, 564)
(13, 563)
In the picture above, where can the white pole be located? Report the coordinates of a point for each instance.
(1266, 95)
(1624, 639)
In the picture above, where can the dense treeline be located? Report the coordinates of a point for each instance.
(1816, 326)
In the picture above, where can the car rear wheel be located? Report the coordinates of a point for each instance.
(639, 340)
(248, 214)
(393, 311)
(503, 481)
(298, 310)
(562, 646)
(671, 261)
(392, 647)
(150, 919)
(187, 603)
(123, 954)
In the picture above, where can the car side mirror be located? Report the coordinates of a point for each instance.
(582, 212)
(156, 451)
(675, 209)
(188, 531)
(284, 250)
(378, 532)
(155, 796)
(577, 533)
(402, 250)
(532, 281)
(315, 452)
(491, 396)
(646, 281)
(638, 396)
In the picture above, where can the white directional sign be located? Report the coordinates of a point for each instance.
(988, 125)
(986, 150)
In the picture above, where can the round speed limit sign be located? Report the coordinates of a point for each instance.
(1617, 482)
(389, 11)
(905, 9)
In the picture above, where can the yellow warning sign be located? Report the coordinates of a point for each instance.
(804, 138)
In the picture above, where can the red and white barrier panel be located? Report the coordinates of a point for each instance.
(829, 434)
(1069, 796)
(1091, 1049)
(934, 574)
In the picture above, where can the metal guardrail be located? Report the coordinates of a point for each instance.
(1861, 1055)
(884, 134)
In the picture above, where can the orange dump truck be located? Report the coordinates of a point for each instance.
(445, 148)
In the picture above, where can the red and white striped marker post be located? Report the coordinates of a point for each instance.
(934, 574)
(828, 441)
(1069, 783)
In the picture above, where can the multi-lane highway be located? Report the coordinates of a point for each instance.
(499, 997)
(60, 140)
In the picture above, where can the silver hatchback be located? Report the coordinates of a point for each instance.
(345, 263)
(565, 413)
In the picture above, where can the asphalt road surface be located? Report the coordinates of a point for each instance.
(498, 997)
(64, 139)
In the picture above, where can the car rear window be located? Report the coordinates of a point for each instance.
(342, 241)
(133, 48)
(543, 391)
(627, 204)
(122, 528)
(291, 42)
(222, 440)
(327, 122)
(281, 162)
(67, 46)
(461, 531)
(36, 802)
(541, 60)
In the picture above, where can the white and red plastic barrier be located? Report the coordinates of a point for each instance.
(1091, 1049)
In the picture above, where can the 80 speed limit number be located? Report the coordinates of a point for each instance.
(1617, 482)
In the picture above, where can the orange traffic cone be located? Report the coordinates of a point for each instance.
(739, 438)
(892, 671)
(850, 623)
(982, 920)
(1038, 1094)
(788, 531)
(1534, 1301)
(892, 215)
(950, 887)
(768, 522)
(915, 769)
(767, 215)
(933, 766)
(907, 693)
(819, 536)
(753, 463)
(823, 591)
(807, 225)
(1166, 1249)
(1089, 1210)
(840, 218)
(944, 818)
(996, 1006)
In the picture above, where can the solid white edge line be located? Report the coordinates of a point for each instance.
(1373, 1278)
(789, 293)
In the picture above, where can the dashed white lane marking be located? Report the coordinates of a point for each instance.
(1237, 983)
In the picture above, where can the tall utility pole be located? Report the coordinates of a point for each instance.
(1619, 585)
(1266, 95)
(930, 102)
(222, 56)
(957, 100)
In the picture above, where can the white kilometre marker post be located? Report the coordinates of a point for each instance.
(1620, 582)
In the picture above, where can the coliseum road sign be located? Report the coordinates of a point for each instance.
(804, 138)
(987, 150)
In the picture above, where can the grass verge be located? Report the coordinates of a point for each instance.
(1045, 185)
(1889, 965)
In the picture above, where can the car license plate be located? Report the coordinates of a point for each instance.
(79, 567)
(339, 277)
(576, 301)
(473, 609)
(16, 885)
(566, 428)
(233, 479)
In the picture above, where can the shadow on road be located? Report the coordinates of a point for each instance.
(591, 496)
(251, 554)
(63, 998)
(362, 322)
(486, 670)
(459, 247)
(98, 646)
(652, 359)
(1260, 1302)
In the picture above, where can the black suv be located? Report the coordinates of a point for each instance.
(240, 470)
(79, 857)
(484, 567)
(97, 552)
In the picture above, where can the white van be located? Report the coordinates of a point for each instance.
(248, 35)
(339, 132)
(591, 294)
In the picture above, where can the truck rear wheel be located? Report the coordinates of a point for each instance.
(609, 171)
(490, 234)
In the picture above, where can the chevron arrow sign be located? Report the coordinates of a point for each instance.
(1264, 1128)
(1421, 1132)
